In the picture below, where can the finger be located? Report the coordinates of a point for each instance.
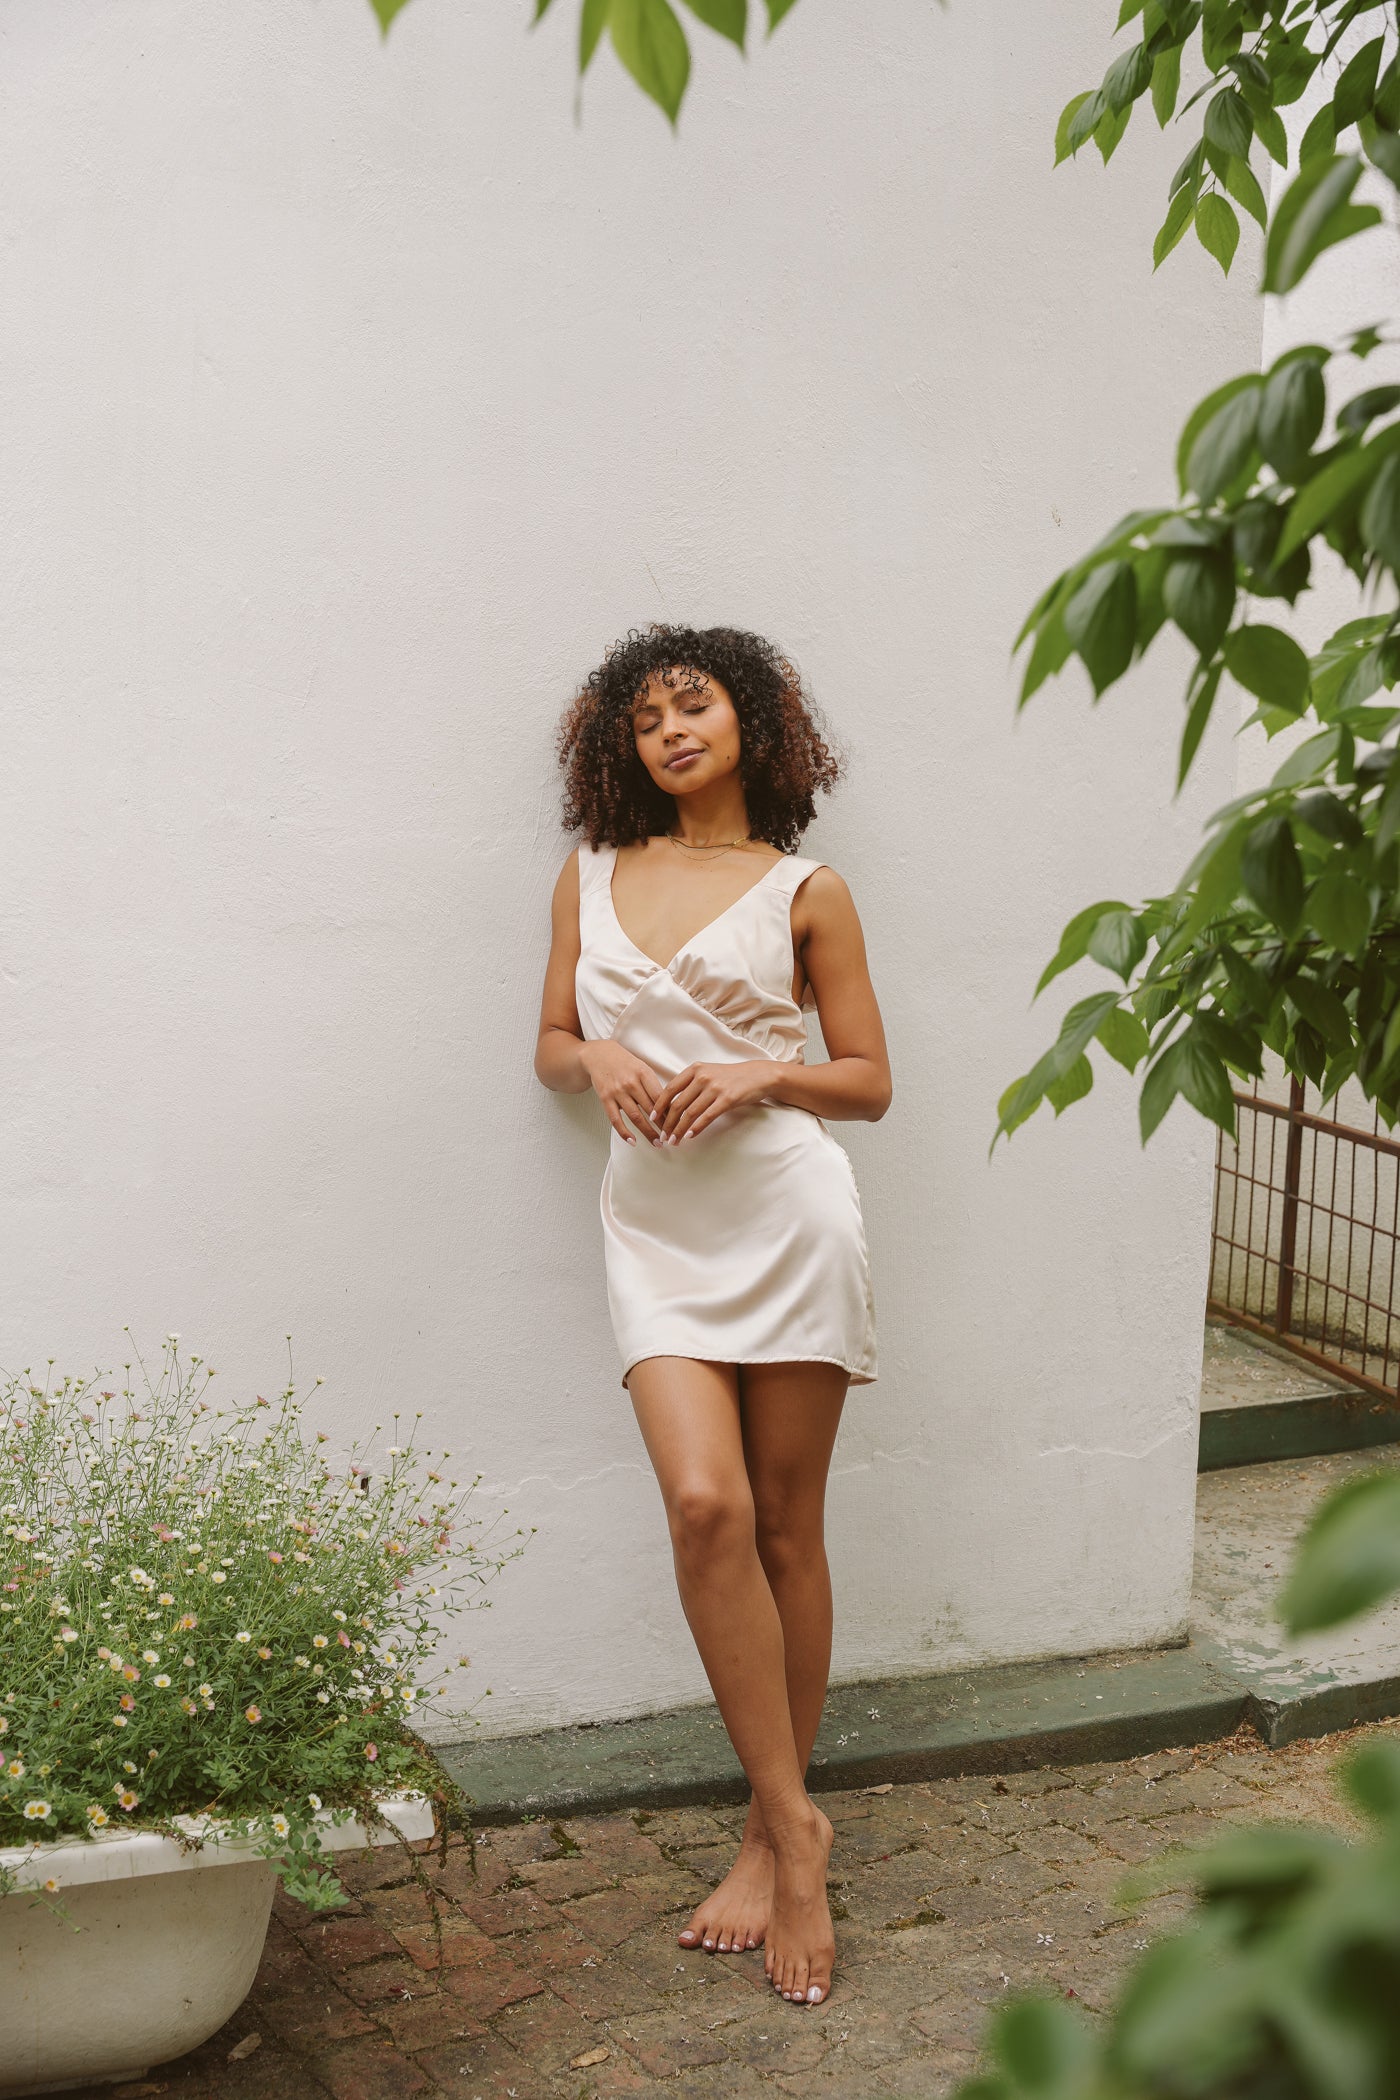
(689, 1111)
(641, 1116)
(648, 1082)
(615, 1118)
(668, 1093)
(704, 1119)
(671, 1121)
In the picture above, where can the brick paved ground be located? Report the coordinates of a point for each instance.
(561, 1979)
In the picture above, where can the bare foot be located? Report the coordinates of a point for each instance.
(735, 1916)
(801, 1946)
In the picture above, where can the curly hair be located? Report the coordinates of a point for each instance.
(784, 757)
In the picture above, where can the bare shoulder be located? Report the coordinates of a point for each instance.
(566, 887)
(825, 893)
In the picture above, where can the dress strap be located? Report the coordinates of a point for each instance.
(595, 866)
(793, 870)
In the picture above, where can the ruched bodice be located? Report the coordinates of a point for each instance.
(745, 1244)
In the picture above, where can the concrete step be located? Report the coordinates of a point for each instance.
(1259, 1403)
(1234, 1667)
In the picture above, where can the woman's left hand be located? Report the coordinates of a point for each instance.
(687, 1103)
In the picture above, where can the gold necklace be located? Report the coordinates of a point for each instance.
(709, 844)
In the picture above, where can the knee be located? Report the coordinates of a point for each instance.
(708, 1517)
(787, 1535)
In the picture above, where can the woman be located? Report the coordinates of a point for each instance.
(687, 937)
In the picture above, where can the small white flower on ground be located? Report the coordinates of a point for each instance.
(281, 1826)
(163, 1681)
(243, 1637)
(37, 1811)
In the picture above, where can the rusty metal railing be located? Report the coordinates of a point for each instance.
(1307, 1228)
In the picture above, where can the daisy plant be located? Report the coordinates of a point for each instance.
(205, 1613)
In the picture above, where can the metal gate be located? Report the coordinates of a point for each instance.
(1307, 1222)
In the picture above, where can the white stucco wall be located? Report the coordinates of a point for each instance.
(355, 399)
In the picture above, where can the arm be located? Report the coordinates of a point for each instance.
(564, 1060)
(558, 1060)
(855, 1082)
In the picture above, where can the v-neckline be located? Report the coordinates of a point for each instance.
(694, 937)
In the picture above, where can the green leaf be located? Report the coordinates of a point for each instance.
(1109, 130)
(1118, 942)
(1227, 441)
(1074, 941)
(1339, 908)
(1321, 1006)
(1086, 119)
(1202, 414)
(1205, 1082)
(1272, 873)
(386, 11)
(592, 22)
(1229, 124)
(1166, 83)
(1268, 125)
(729, 17)
(1127, 77)
(1051, 651)
(1313, 214)
(1379, 519)
(776, 10)
(1353, 93)
(1124, 1038)
(1189, 174)
(1330, 818)
(1370, 1777)
(1046, 2047)
(1218, 228)
(1198, 591)
(1249, 984)
(1180, 214)
(649, 40)
(541, 8)
(1383, 152)
(1348, 1558)
(1160, 1088)
(1197, 716)
(1325, 493)
(1363, 409)
(1100, 621)
(1309, 760)
(1072, 1085)
(1063, 149)
(1268, 663)
(1241, 182)
(1290, 415)
(1319, 137)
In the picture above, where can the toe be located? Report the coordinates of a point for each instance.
(797, 1982)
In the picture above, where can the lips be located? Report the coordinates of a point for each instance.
(680, 759)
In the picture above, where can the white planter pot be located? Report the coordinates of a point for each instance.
(168, 1945)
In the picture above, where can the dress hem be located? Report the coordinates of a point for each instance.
(854, 1373)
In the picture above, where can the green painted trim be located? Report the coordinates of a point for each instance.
(1304, 1428)
(1005, 1719)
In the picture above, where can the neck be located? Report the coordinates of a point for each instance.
(711, 816)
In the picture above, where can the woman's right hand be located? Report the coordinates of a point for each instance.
(624, 1084)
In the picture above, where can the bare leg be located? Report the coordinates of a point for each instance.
(790, 1414)
(689, 1416)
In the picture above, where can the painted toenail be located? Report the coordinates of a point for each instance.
(814, 1994)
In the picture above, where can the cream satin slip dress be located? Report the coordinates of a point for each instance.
(745, 1244)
